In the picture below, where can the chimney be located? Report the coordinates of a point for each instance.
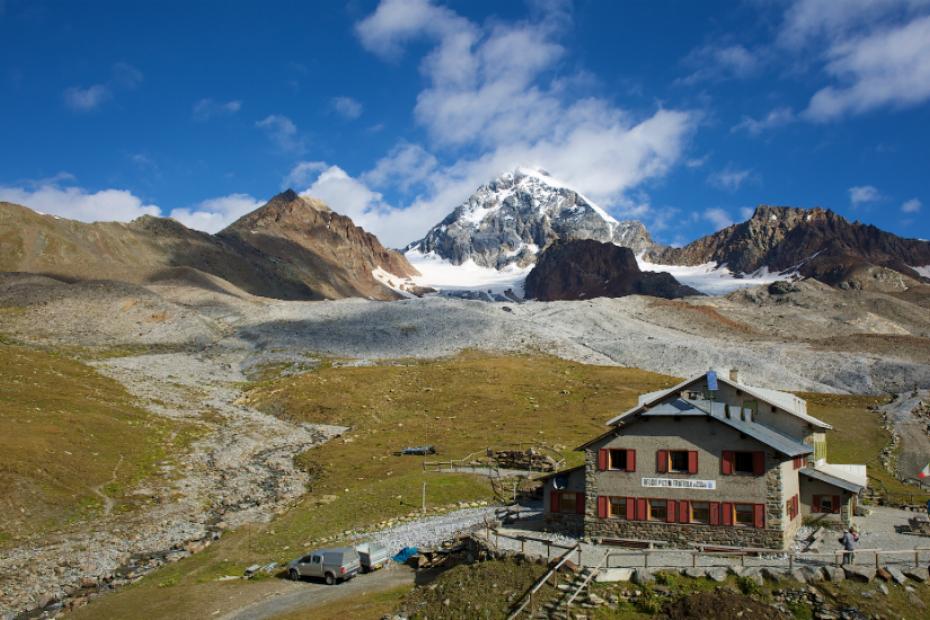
(734, 375)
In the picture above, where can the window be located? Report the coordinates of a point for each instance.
(743, 514)
(742, 462)
(700, 512)
(791, 507)
(618, 507)
(568, 502)
(658, 510)
(617, 460)
(678, 461)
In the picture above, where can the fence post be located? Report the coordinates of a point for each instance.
(523, 546)
(579, 556)
(790, 561)
(547, 551)
(646, 558)
(694, 559)
(876, 560)
(916, 557)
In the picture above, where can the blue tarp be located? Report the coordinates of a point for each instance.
(405, 554)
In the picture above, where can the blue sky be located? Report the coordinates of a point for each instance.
(682, 114)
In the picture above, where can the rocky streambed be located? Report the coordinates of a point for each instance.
(240, 470)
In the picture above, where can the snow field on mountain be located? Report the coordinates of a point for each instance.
(711, 279)
(442, 275)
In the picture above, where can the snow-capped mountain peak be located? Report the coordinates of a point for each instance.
(508, 221)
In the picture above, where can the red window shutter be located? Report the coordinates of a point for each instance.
(684, 514)
(579, 503)
(758, 463)
(836, 503)
(692, 461)
(602, 459)
(727, 517)
(630, 509)
(662, 461)
(671, 511)
(631, 460)
(758, 515)
(641, 509)
(726, 464)
(601, 507)
(715, 513)
(554, 501)
(815, 503)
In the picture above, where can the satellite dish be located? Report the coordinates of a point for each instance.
(712, 381)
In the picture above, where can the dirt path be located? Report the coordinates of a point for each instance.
(108, 502)
(914, 452)
(240, 471)
(304, 596)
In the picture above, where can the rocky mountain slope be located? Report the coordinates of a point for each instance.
(815, 243)
(514, 217)
(292, 248)
(584, 269)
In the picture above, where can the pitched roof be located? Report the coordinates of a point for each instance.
(822, 476)
(783, 400)
(681, 407)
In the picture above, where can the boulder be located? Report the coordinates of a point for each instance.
(862, 574)
(919, 574)
(798, 575)
(772, 574)
(613, 575)
(896, 575)
(883, 574)
(717, 574)
(834, 574)
(642, 576)
(695, 573)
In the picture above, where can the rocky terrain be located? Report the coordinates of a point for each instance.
(816, 243)
(515, 216)
(291, 248)
(584, 269)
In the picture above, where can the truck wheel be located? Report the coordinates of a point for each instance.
(330, 579)
(293, 575)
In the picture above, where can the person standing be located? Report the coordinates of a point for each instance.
(850, 541)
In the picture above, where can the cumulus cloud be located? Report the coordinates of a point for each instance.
(911, 206)
(86, 98)
(282, 132)
(62, 197)
(206, 109)
(778, 117)
(809, 21)
(718, 217)
(215, 214)
(730, 178)
(863, 194)
(886, 68)
(347, 107)
(495, 97)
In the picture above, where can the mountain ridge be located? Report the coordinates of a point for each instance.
(150, 249)
(515, 216)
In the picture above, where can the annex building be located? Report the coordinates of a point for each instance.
(710, 460)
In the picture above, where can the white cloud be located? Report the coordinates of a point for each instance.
(863, 194)
(720, 62)
(730, 178)
(59, 196)
(778, 117)
(911, 206)
(347, 107)
(282, 132)
(810, 21)
(85, 99)
(493, 95)
(718, 217)
(215, 214)
(205, 109)
(303, 173)
(889, 67)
